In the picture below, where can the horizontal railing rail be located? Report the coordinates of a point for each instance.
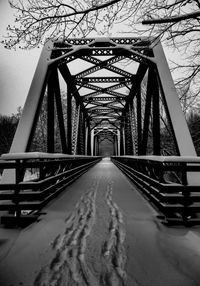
(27, 195)
(177, 197)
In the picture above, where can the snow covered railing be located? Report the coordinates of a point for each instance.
(172, 183)
(28, 194)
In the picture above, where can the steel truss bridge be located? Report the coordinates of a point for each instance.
(91, 98)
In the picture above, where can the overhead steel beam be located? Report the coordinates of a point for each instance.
(104, 98)
(107, 108)
(103, 80)
(135, 41)
(102, 89)
(113, 93)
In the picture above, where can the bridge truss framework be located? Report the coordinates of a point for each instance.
(114, 93)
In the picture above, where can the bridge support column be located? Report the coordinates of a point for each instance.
(81, 134)
(60, 114)
(115, 145)
(122, 138)
(92, 142)
(50, 114)
(128, 131)
(139, 121)
(118, 142)
(95, 145)
(147, 112)
(69, 120)
(54, 101)
(88, 138)
(156, 115)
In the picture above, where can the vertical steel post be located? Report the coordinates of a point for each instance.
(118, 142)
(81, 134)
(88, 138)
(130, 128)
(147, 113)
(121, 138)
(115, 145)
(92, 142)
(139, 121)
(98, 143)
(128, 131)
(84, 133)
(156, 116)
(95, 145)
(124, 140)
(114, 149)
(50, 115)
(60, 113)
(69, 120)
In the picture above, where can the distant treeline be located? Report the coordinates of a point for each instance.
(8, 125)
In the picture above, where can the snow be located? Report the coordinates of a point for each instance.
(100, 231)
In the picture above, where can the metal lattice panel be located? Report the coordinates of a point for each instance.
(107, 64)
(102, 80)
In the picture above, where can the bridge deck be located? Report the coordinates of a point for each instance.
(101, 231)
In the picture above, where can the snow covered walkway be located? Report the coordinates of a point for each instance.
(100, 232)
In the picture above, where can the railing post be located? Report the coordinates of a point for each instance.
(185, 192)
(18, 178)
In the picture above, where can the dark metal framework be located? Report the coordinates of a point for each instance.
(175, 195)
(52, 174)
(105, 97)
(116, 90)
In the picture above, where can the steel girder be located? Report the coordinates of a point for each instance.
(107, 87)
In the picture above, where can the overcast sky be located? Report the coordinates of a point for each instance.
(16, 68)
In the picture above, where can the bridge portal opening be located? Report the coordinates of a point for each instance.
(103, 89)
(106, 148)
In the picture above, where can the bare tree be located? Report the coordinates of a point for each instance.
(58, 19)
(178, 21)
(8, 125)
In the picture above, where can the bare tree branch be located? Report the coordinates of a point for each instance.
(173, 19)
(176, 22)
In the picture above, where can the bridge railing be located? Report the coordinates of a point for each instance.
(29, 194)
(177, 197)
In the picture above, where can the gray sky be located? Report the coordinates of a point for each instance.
(16, 68)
